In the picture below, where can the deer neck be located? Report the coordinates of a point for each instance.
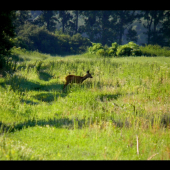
(84, 78)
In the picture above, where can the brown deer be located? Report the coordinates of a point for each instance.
(76, 79)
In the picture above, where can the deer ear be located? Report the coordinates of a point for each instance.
(88, 71)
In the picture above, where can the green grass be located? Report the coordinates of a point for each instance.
(127, 98)
(155, 50)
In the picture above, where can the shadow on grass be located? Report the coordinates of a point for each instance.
(48, 97)
(21, 84)
(72, 123)
(109, 97)
(65, 122)
(44, 76)
(28, 102)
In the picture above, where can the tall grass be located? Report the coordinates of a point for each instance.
(155, 50)
(98, 119)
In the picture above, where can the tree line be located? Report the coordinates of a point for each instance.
(64, 30)
(106, 26)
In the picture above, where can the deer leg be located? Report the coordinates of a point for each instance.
(65, 85)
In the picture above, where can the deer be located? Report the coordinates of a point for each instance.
(76, 79)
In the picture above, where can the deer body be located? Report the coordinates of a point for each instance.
(76, 79)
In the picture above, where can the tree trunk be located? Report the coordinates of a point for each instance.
(76, 21)
(120, 33)
(63, 26)
(48, 27)
(102, 30)
(149, 31)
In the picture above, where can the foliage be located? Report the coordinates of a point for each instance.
(95, 47)
(124, 50)
(113, 49)
(101, 52)
(33, 37)
(155, 50)
(124, 19)
(131, 35)
(64, 17)
(21, 18)
(130, 49)
(153, 32)
(49, 18)
(105, 27)
(78, 43)
(165, 28)
(6, 33)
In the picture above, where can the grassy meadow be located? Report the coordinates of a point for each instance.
(122, 113)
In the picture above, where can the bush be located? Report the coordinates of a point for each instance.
(95, 47)
(123, 50)
(130, 49)
(6, 34)
(98, 49)
(101, 52)
(155, 50)
(79, 44)
(33, 37)
(113, 49)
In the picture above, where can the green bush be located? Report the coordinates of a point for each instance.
(101, 52)
(155, 50)
(98, 49)
(33, 37)
(123, 50)
(78, 43)
(112, 50)
(130, 49)
(95, 47)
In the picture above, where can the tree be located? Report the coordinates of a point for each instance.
(153, 18)
(131, 35)
(75, 20)
(64, 17)
(6, 33)
(91, 25)
(97, 25)
(21, 18)
(165, 29)
(49, 18)
(124, 18)
(104, 27)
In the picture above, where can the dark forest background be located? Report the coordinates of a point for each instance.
(108, 26)
(72, 32)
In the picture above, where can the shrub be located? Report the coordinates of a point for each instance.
(130, 49)
(124, 50)
(101, 52)
(78, 43)
(95, 47)
(155, 50)
(112, 50)
(98, 49)
(33, 37)
(115, 50)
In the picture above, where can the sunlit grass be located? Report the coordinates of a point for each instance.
(98, 119)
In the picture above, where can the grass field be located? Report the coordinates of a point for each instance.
(123, 112)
